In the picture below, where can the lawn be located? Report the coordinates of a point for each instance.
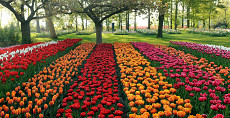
(135, 37)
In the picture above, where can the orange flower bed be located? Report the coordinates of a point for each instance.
(34, 97)
(148, 93)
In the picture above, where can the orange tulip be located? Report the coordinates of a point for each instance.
(181, 113)
(41, 115)
(2, 113)
(28, 115)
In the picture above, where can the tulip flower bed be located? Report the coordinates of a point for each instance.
(208, 94)
(44, 91)
(213, 53)
(219, 72)
(25, 62)
(95, 93)
(149, 94)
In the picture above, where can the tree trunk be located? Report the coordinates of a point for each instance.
(188, 15)
(25, 29)
(160, 26)
(47, 26)
(76, 24)
(149, 18)
(225, 13)
(182, 16)
(82, 23)
(176, 15)
(107, 24)
(171, 15)
(51, 28)
(209, 21)
(38, 26)
(127, 20)
(86, 24)
(98, 33)
(168, 21)
(119, 21)
(135, 21)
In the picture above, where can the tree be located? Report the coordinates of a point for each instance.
(100, 10)
(127, 20)
(149, 15)
(176, 10)
(37, 20)
(171, 8)
(135, 20)
(182, 17)
(49, 12)
(76, 21)
(19, 8)
(162, 7)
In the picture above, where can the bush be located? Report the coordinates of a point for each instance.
(171, 31)
(213, 33)
(58, 32)
(9, 36)
(147, 31)
(64, 32)
(42, 35)
(85, 32)
(121, 32)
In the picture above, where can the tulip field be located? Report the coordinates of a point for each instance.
(71, 79)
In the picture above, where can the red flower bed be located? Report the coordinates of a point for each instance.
(95, 93)
(10, 68)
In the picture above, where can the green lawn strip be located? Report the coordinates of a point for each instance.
(135, 37)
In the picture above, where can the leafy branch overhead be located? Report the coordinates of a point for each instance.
(99, 10)
(18, 8)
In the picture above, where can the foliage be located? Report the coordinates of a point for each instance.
(147, 31)
(121, 32)
(223, 25)
(9, 36)
(171, 31)
(59, 33)
(85, 32)
(213, 33)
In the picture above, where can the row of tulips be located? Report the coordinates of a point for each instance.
(216, 54)
(95, 93)
(11, 52)
(11, 66)
(219, 72)
(205, 89)
(149, 94)
(42, 93)
(6, 50)
(20, 68)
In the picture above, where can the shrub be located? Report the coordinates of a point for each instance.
(9, 36)
(213, 33)
(42, 35)
(171, 31)
(64, 32)
(85, 32)
(147, 31)
(121, 32)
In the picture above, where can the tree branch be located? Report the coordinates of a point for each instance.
(113, 13)
(8, 6)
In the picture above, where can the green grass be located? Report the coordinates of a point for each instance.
(185, 37)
